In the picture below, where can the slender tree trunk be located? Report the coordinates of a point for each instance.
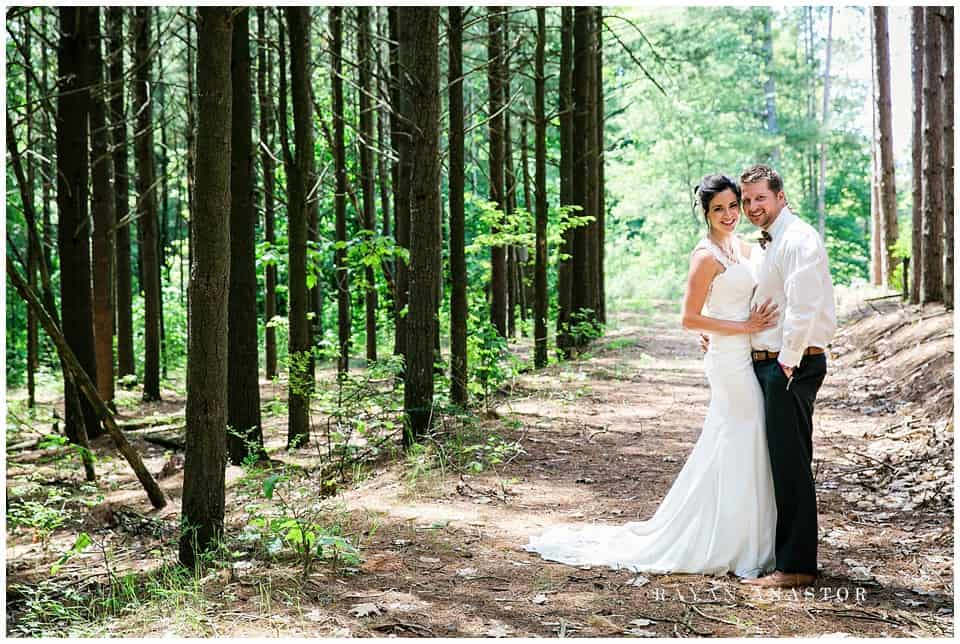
(931, 289)
(401, 186)
(948, 132)
(822, 183)
(367, 171)
(916, 73)
(383, 128)
(498, 252)
(769, 85)
(888, 193)
(73, 236)
(600, 239)
(104, 214)
(49, 148)
(147, 210)
(299, 170)
(265, 100)
(124, 300)
(540, 161)
(163, 212)
(510, 184)
(458, 262)
(203, 469)
(33, 357)
(565, 268)
(419, 49)
(245, 437)
(340, 196)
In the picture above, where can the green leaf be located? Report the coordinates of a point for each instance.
(81, 543)
(268, 484)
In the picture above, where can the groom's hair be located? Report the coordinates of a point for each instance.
(762, 172)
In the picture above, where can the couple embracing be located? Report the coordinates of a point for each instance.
(744, 502)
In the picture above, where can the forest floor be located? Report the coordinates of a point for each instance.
(599, 438)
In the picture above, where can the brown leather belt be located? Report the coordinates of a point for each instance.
(772, 355)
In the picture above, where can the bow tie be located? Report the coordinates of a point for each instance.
(765, 239)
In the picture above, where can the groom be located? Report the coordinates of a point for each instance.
(790, 362)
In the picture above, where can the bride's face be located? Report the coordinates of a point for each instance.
(723, 213)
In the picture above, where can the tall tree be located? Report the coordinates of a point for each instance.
(948, 131)
(498, 252)
(600, 224)
(299, 170)
(340, 196)
(888, 190)
(419, 53)
(73, 235)
(206, 413)
(565, 268)
(243, 383)
(121, 188)
(769, 84)
(916, 74)
(265, 100)
(400, 141)
(33, 257)
(458, 262)
(540, 161)
(825, 123)
(367, 170)
(931, 288)
(104, 217)
(147, 200)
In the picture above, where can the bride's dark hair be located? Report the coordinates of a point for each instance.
(712, 185)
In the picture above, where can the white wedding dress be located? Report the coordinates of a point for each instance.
(720, 514)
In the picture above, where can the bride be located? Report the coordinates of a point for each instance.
(720, 515)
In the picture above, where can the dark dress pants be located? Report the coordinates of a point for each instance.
(789, 422)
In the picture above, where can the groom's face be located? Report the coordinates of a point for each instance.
(761, 205)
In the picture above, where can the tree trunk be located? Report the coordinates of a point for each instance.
(931, 289)
(510, 185)
(124, 301)
(540, 161)
(367, 171)
(417, 30)
(769, 85)
(85, 384)
(340, 196)
(299, 169)
(458, 262)
(265, 100)
(916, 73)
(206, 414)
(33, 257)
(400, 141)
(163, 212)
(245, 437)
(565, 268)
(600, 239)
(498, 252)
(948, 130)
(73, 235)
(147, 198)
(104, 213)
(888, 190)
(822, 183)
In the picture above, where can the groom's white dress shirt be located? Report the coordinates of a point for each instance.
(794, 273)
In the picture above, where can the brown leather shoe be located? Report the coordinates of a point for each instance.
(779, 579)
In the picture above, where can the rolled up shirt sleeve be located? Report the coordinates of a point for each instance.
(804, 294)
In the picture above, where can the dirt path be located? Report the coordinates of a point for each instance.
(602, 440)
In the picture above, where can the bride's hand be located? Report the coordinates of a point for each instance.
(762, 317)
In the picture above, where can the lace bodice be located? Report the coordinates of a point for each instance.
(730, 291)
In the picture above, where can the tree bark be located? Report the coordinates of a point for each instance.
(888, 190)
(458, 262)
(85, 384)
(118, 122)
(401, 186)
(540, 161)
(147, 210)
(367, 171)
(498, 252)
(206, 413)
(601, 223)
(104, 213)
(916, 73)
(299, 169)
(565, 268)
(73, 236)
(822, 183)
(931, 289)
(265, 100)
(33, 257)
(419, 48)
(245, 437)
(948, 132)
(340, 196)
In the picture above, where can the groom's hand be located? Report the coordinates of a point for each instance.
(787, 371)
(704, 342)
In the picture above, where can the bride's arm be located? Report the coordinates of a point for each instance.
(703, 269)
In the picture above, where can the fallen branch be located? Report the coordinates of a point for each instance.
(87, 387)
